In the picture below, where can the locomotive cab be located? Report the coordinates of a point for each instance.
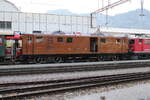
(136, 45)
(13, 46)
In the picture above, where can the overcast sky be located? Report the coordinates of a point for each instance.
(76, 6)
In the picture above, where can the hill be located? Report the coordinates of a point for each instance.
(130, 19)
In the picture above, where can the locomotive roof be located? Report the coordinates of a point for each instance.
(62, 35)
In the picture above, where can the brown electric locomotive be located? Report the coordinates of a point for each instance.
(42, 48)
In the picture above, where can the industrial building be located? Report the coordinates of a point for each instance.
(13, 20)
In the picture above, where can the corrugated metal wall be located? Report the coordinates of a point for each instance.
(47, 23)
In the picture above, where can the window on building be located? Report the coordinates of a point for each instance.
(103, 40)
(39, 39)
(5, 25)
(69, 40)
(60, 39)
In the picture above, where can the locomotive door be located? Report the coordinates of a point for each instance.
(140, 45)
(2, 47)
(28, 45)
(93, 44)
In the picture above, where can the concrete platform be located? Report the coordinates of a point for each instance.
(74, 64)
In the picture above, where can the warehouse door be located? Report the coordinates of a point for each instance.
(93, 44)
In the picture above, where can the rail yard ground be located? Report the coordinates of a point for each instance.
(67, 85)
(75, 94)
(71, 67)
(85, 94)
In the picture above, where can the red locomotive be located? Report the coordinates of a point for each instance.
(140, 48)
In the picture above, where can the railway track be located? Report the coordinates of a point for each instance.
(12, 91)
(57, 68)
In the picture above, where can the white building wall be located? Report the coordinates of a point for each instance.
(47, 23)
(7, 6)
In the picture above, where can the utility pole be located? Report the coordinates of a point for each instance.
(142, 8)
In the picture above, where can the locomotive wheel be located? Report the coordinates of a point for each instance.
(115, 58)
(40, 60)
(58, 59)
(49, 59)
(100, 58)
(1, 60)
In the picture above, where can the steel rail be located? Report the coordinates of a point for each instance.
(71, 68)
(16, 93)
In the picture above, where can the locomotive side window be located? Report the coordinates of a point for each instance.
(147, 41)
(140, 41)
(30, 39)
(103, 40)
(39, 39)
(131, 42)
(69, 40)
(60, 39)
(118, 41)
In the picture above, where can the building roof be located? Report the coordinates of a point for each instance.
(15, 8)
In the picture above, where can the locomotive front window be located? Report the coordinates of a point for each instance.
(131, 42)
(69, 40)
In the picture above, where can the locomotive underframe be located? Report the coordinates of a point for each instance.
(59, 58)
(137, 56)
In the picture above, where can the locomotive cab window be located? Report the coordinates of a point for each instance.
(103, 40)
(69, 40)
(39, 39)
(60, 39)
(131, 42)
